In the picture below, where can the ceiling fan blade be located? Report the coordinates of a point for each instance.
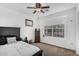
(34, 12)
(45, 7)
(31, 7)
(42, 11)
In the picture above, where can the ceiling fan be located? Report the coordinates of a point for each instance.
(39, 8)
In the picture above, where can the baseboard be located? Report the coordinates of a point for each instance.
(58, 46)
(77, 52)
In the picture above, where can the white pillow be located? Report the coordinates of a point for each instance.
(11, 39)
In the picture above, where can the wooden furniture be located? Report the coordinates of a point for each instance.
(39, 53)
(37, 36)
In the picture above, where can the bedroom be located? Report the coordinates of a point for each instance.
(13, 15)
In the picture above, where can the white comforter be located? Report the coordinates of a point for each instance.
(18, 49)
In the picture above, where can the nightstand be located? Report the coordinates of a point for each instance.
(30, 41)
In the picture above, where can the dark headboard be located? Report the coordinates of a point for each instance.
(10, 31)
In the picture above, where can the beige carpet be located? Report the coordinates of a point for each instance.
(51, 50)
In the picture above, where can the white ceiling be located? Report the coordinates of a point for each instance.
(21, 7)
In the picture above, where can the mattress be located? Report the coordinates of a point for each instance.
(19, 48)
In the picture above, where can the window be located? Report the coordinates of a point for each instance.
(48, 30)
(58, 30)
(54, 30)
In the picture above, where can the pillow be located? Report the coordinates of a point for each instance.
(18, 38)
(3, 40)
(11, 39)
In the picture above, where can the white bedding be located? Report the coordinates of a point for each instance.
(18, 49)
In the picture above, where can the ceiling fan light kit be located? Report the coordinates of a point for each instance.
(39, 8)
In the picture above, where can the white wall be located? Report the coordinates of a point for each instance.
(64, 17)
(10, 18)
(77, 29)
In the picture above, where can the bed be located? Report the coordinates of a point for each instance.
(18, 48)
